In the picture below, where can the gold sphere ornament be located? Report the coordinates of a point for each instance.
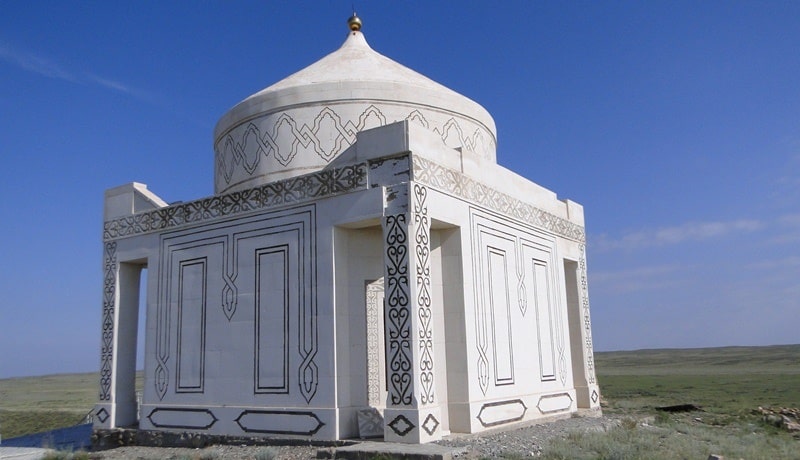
(354, 23)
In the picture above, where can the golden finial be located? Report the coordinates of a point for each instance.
(354, 22)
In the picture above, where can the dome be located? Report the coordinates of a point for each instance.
(301, 123)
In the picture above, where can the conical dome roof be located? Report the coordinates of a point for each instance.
(301, 123)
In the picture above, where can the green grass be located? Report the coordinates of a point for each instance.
(34, 404)
(727, 383)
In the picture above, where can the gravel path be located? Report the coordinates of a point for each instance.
(526, 441)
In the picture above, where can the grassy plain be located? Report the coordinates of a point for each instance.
(33, 404)
(728, 384)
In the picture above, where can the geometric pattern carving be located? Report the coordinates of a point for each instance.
(455, 183)
(102, 415)
(279, 193)
(190, 419)
(398, 326)
(401, 425)
(191, 339)
(544, 318)
(282, 137)
(279, 422)
(430, 424)
(500, 245)
(595, 396)
(587, 324)
(230, 295)
(422, 229)
(554, 403)
(107, 347)
(522, 293)
(271, 354)
(272, 237)
(375, 349)
(329, 183)
(497, 302)
(501, 412)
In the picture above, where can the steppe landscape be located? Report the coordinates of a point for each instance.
(732, 399)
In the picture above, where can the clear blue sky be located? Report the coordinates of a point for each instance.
(676, 124)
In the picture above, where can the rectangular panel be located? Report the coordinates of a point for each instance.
(501, 322)
(191, 325)
(272, 319)
(544, 323)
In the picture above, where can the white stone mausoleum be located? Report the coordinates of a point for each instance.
(364, 268)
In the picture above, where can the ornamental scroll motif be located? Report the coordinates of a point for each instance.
(422, 248)
(398, 323)
(109, 305)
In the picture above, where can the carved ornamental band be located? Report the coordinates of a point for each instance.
(109, 305)
(459, 185)
(398, 325)
(422, 249)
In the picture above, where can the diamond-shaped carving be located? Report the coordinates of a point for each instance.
(401, 425)
(102, 415)
(430, 424)
(595, 396)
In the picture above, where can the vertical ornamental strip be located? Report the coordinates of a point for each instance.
(410, 416)
(103, 410)
(587, 333)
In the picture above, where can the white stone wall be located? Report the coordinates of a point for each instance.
(257, 305)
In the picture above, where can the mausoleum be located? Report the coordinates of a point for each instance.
(365, 268)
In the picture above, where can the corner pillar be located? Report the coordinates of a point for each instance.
(590, 393)
(412, 414)
(117, 406)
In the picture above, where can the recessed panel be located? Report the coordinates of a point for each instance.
(501, 322)
(191, 324)
(544, 320)
(272, 320)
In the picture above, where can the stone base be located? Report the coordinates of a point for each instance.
(109, 439)
(412, 426)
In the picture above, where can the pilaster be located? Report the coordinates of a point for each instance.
(592, 389)
(412, 414)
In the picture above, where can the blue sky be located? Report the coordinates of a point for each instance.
(676, 124)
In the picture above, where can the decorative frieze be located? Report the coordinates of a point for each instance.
(304, 136)
(294, 190)
(459, 185)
